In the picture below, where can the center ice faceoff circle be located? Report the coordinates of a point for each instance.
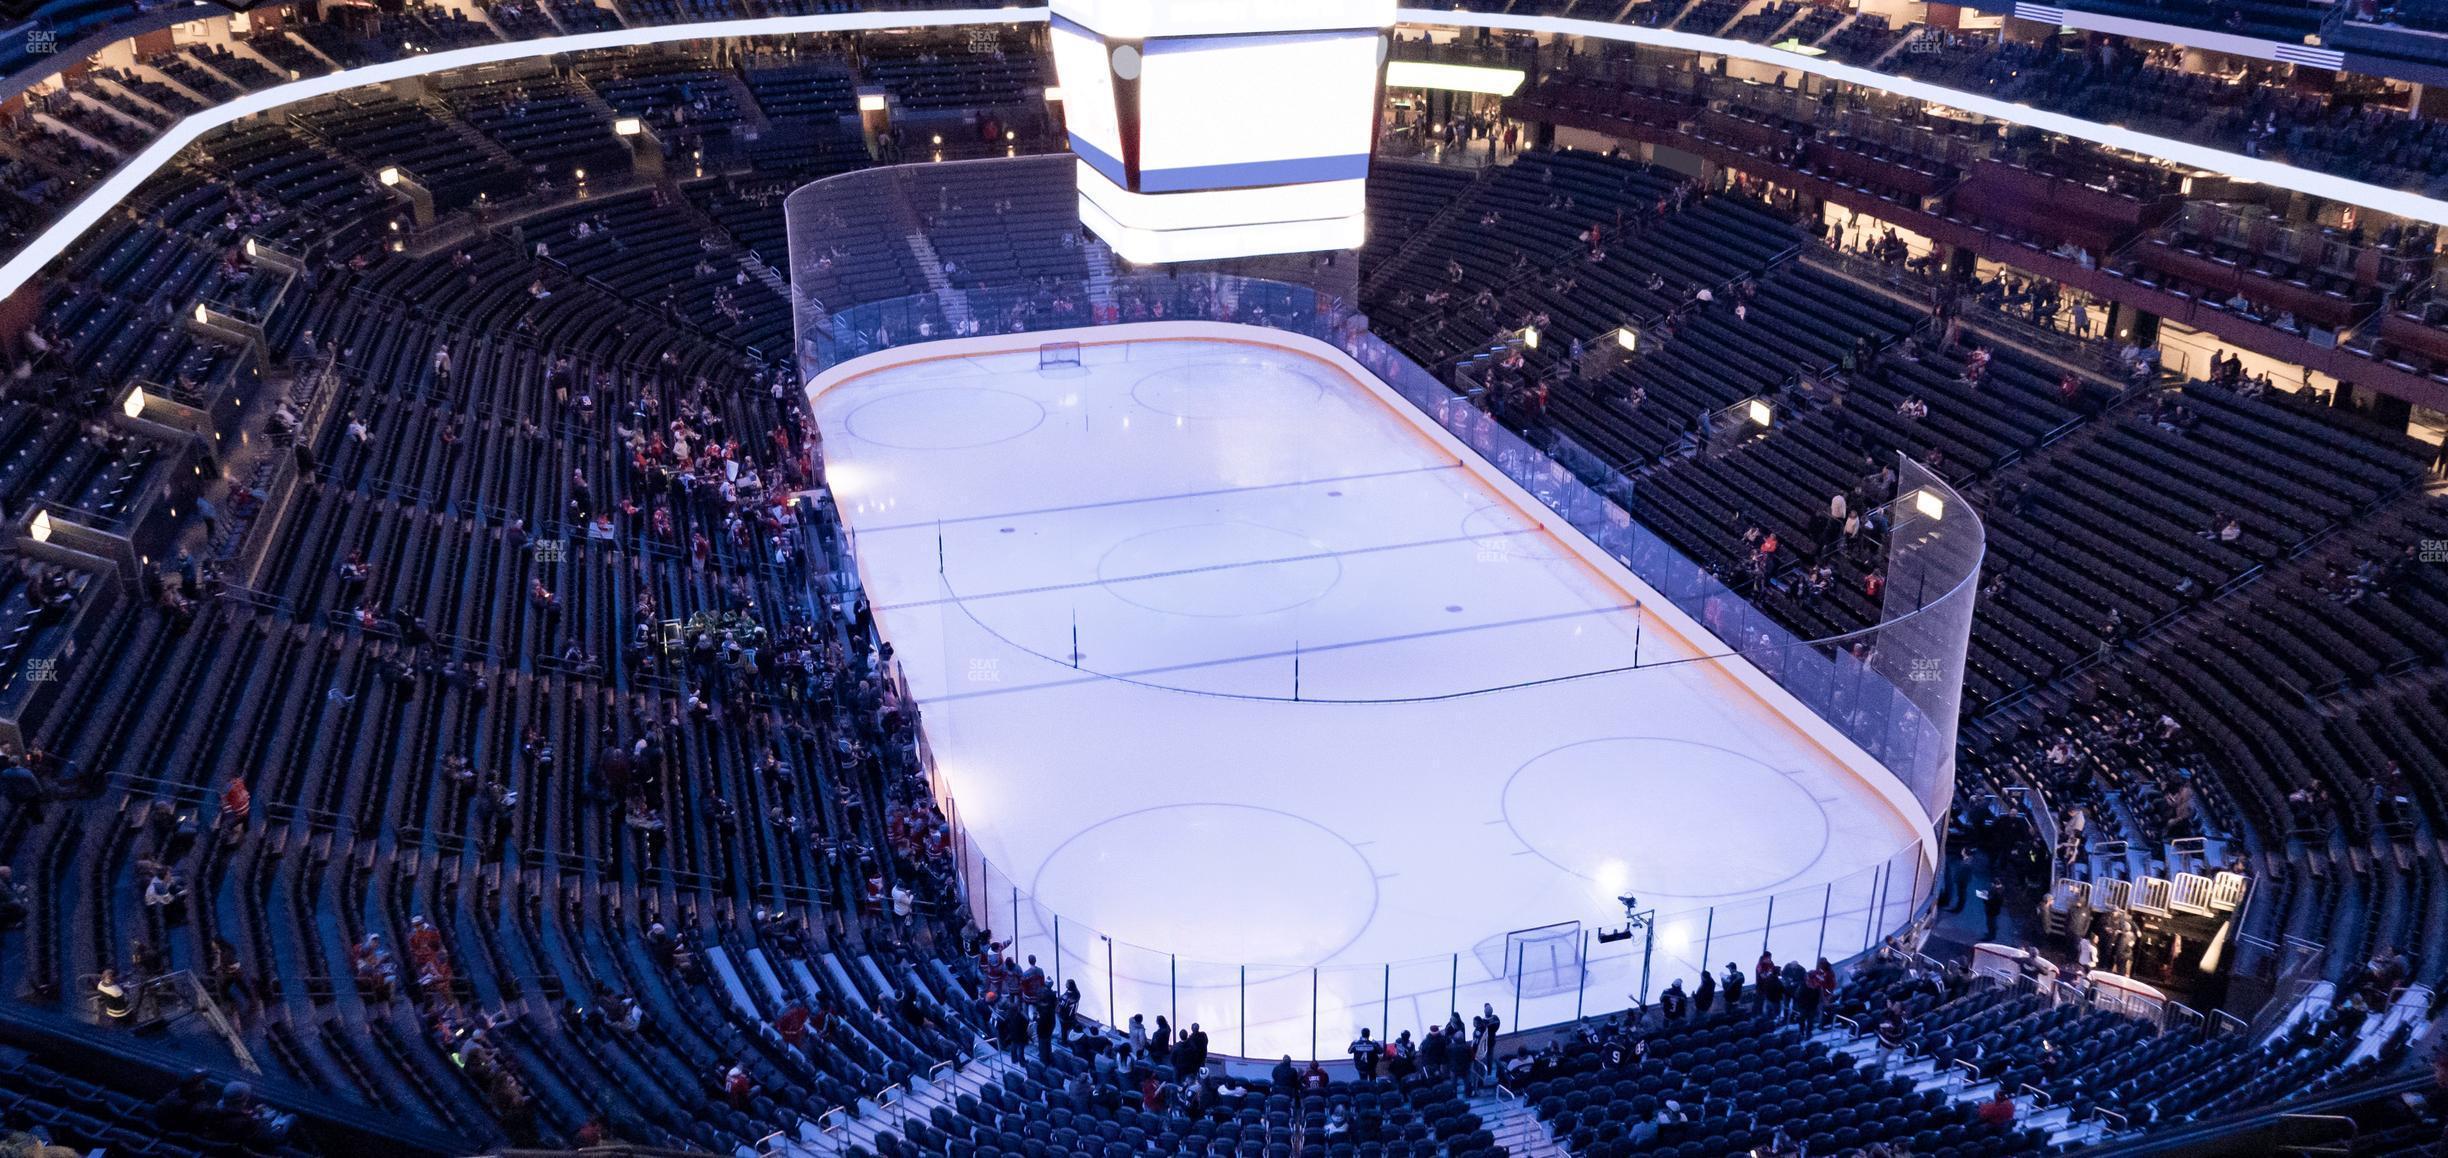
(1228, 389)
(1125, 878)
(945, 418)
(1219, 570)
(1659, 816)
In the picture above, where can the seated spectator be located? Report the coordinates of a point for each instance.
(16, 901)
(1999, 1111)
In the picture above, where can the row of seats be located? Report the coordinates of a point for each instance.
(483, 824)
(2079, 566)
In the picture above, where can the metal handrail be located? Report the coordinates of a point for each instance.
(2341, 1145)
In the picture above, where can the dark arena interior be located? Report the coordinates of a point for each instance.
(444, 711)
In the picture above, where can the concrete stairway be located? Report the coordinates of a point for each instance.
(864, 1123)
(1100, 275)
(1517, 1129)
(955, 302)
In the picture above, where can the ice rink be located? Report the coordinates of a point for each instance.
(1227, 661)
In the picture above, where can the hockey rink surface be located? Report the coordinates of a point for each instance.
(1225, 660)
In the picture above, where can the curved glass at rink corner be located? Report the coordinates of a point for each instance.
(1892, 688)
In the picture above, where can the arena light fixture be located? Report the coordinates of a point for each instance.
(628, 126)
(40, 528)
(871, 102)
(134, 404)
(1758, 411)
(1053, 94)
(1530, 337)
(1929, 504)
(389, 176)
(1628, 338)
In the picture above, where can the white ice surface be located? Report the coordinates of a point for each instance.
(1219, 524)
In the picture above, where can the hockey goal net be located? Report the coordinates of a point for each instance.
(1051, 355)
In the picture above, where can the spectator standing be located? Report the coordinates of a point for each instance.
(1818, 988)
(1771, 987)
(1364, 1054)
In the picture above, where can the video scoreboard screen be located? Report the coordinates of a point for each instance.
(1229, 129)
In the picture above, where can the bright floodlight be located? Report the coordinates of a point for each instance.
(1208, 130)
(1761, 412)
(1628, 338)
(1929, 503)
(628, 126)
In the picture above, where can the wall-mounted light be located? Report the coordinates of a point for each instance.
(1628, 338)
(1530, 336)
(1760, 412)
(871, 102)
(1929, 504)
(390, 175)
(40, 528)
(628, 126)
(134, 404)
